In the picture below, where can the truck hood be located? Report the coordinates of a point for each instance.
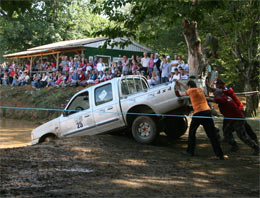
(52, 126)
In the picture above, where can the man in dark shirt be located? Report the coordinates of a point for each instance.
(229, 109)
(230, 92)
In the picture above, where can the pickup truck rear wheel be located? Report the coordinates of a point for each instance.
(144, 130)
(175, 126)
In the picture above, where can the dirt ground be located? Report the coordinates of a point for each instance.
(117, 166)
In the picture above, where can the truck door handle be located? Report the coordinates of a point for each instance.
(109, 108)
(86, 116)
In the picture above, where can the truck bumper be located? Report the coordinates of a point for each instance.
(35, 141)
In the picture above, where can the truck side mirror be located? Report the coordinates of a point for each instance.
(65, 113)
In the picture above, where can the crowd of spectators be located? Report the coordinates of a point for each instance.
(80, 71)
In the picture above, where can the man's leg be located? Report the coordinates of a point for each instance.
(228, 131)
(195, 123)
(250, 132)
(230, 134)
(239, 126)
(209, 128)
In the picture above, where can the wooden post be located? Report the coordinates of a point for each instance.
(31, 61)
(57, 62)
(82, 54)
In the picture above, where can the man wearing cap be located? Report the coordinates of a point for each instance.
(229, 109)
(201, 108)
(230, 92)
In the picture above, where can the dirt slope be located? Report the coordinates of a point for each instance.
(117, 166)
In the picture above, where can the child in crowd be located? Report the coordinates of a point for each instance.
(82, 79)
(183, 75)
(155, 80)
(213, 76)
(92, 77)
(176, 75)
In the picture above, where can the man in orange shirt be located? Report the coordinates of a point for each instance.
(201, 109)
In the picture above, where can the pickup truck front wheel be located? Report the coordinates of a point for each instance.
(144, 130)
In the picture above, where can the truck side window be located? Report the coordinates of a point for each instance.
(81, 102)
(132, 85)
(103, 94)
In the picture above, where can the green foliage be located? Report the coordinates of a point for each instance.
(237, 29)
(8, 7)
(157, 24)
(46, 22)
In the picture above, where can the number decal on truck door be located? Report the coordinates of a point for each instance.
(79, 124)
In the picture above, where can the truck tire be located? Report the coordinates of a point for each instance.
(144, 130)
(175, 126)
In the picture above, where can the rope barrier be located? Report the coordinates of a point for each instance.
(125, 113)
(248, 93)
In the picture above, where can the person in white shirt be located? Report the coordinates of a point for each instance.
(186, 68)
(174, 63)
(180, 62)
(100, 65)
(88, 68)
(44, 80)
(125, 65)
(165, 68)
(145, 63)
(27, 78)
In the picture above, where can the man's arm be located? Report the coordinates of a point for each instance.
(180, 84)
(209, 99)
(182, 93)
(211, 89)
(177, 86)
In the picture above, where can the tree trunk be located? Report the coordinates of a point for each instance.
(251, 84)
(196, 59)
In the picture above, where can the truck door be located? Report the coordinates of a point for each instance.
(106, 111)
(78, 119)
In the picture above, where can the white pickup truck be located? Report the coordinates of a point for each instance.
(121, 103)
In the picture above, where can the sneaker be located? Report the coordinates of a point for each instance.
(223, 157)
(234, 148)
(186, 153)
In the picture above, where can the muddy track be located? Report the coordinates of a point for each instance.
(117, 166)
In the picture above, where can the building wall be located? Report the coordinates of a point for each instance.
(133, 47)
(111, 54)
(90, 51)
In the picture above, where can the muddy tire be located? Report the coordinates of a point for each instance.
(144, 130)
(175, 126)
(49, 138)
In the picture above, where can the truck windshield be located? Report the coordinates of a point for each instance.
(132, 85)
(79, 103)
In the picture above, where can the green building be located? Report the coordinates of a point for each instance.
(88, 48)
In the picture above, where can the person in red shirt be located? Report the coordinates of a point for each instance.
(230, 92)
(201, 109)
(229, 109)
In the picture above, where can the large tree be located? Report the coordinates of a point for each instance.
(168, 14)
(238, 29)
